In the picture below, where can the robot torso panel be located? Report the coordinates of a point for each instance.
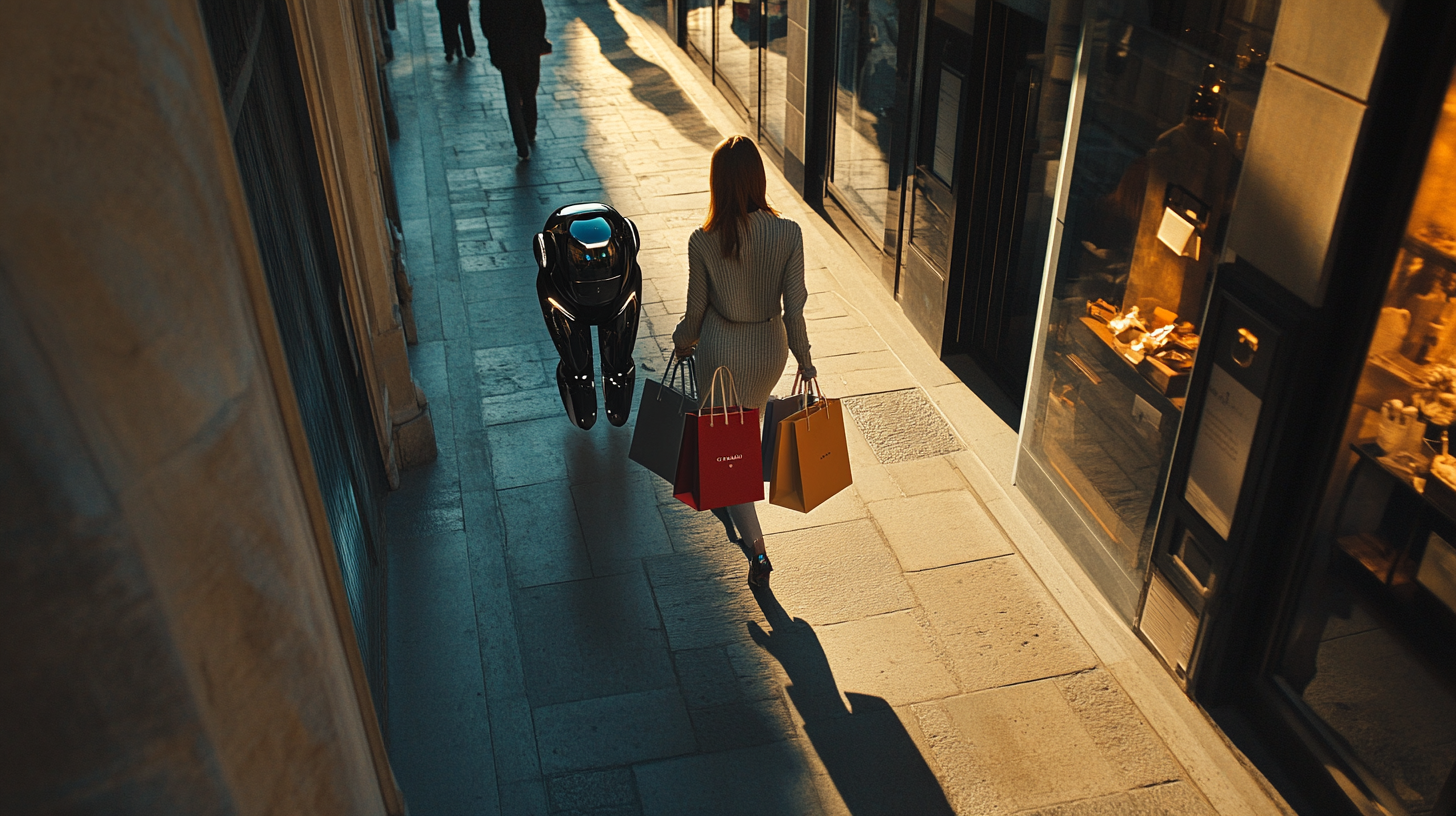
(587, 255)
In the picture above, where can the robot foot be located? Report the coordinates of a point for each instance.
(617, 390)
(579, 396)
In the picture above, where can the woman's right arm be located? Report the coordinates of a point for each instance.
(685, 336)
(796, 295)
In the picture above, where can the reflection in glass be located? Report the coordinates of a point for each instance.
(1169, 100)
(863, 105)
(1369, 654)
(700, 27)
(654, 10)
(737, 60)
(776, 69)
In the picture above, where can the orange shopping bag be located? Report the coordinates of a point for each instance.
(811, 457)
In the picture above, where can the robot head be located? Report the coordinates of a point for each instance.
(589, 250)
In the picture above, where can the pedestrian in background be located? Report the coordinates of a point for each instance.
(746, 296)
(516, 33)
(456, 29)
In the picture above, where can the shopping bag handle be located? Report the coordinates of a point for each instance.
(812, 387)
(684, 369)
(805, 390)
(729, 386)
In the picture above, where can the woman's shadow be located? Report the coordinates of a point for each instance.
(872, 760)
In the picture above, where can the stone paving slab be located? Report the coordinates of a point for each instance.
(932, 530)
(592, 638)
(998, 624)
(932, 475)
(701, 597)
(621, 523)
(889, 657)
(768, 780)
(1172, 799)
(595, 791)
(1032, 747)
(544, 543)
(603, 732)
(837, 573)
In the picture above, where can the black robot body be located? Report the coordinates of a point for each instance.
(587, 255)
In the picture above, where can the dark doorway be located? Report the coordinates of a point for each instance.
(973, 272)
(992, 302)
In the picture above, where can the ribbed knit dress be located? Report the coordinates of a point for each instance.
(747, 313)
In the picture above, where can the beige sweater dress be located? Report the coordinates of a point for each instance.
(748, 313)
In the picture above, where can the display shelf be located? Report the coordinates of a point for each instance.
(1166, 381)
(1392, 550)
(1426, 249)
(1372, 551)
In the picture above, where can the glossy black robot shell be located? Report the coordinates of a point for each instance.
(587, 254)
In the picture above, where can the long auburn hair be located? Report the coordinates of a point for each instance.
(736, 186)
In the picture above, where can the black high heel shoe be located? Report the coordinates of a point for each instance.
(758, 571)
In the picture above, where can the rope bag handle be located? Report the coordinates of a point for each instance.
(729, 387)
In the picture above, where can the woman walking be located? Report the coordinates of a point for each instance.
(746, 295)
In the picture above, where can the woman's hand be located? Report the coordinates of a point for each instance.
(684, 352)
(808, 372)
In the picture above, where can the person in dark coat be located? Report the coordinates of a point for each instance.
(516, 33)
(456, 28)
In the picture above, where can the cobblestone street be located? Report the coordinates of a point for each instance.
(565, 637)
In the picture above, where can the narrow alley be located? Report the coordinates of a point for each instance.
(565, 637)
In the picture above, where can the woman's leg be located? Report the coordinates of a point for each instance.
(745, 518)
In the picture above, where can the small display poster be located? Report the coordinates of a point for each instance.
(1221, 451)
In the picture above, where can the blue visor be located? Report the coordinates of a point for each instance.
(591, 231)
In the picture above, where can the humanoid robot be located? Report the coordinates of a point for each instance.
(589, 277)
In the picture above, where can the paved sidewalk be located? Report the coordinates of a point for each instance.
(564, 637)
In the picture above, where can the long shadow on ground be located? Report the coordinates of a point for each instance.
(870, 757)
(651, 85)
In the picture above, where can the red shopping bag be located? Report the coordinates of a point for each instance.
(720, 462)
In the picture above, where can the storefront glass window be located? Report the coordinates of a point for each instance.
(1170, 94)
(864, 102)
(1369, 657)
(776, 69)
(737, 60)
(700, 28)
(744, 44)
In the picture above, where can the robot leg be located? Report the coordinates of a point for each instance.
(574, 373)
(619, 373)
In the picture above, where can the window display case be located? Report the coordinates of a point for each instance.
(1166, 111)
(1367, 659)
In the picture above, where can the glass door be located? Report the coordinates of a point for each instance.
(933, 188)
(1370, 658)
